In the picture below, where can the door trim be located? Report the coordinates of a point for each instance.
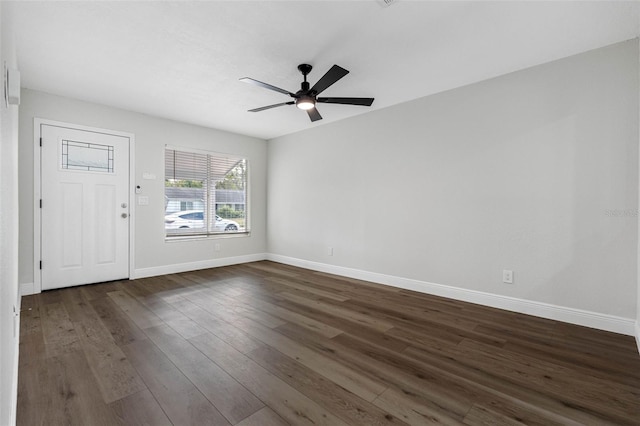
(37, 192)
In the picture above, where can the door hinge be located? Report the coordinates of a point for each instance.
(40, 141)
(40, 202)
(41, 264)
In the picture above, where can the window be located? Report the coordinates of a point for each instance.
(205, 193)
(189, 205)
(88, 157)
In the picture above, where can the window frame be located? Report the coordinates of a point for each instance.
(179, 236)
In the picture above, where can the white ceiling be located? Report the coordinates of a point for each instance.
(182, 60)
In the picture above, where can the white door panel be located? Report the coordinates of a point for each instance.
(105, 241)
(70, 215)
(85, 219)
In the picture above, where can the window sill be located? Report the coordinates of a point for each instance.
(176, 238)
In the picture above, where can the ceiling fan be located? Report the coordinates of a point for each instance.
(306, 98)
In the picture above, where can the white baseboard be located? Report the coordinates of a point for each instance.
(29, 288)
(26, 289)
(194, 266)
(612, 323)
(14, 378)
(544, 310)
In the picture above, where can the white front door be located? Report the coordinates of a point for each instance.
(85, 207)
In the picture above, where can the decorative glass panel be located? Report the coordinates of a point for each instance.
(89, 157)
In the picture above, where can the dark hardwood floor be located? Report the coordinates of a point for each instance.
(268, 344)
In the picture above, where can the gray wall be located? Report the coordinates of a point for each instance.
(151, 135)
(9, 298)
(535, 171)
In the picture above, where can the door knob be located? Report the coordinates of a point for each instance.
(124, 215)
(123, 205)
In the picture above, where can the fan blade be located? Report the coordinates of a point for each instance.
(347, 101)
(314, 115)
(266, 86)
(333, 75)
(271, 106)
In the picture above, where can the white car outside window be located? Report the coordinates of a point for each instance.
(194, 219)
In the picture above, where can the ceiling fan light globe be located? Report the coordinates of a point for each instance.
(306, 103)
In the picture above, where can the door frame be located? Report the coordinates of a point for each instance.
(37, 192)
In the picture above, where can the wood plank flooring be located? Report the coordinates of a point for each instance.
(269, 344)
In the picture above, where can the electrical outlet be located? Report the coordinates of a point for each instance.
(216, 247)
(507, 276)
(329, 251)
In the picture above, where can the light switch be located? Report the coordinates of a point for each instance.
(143, 200)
